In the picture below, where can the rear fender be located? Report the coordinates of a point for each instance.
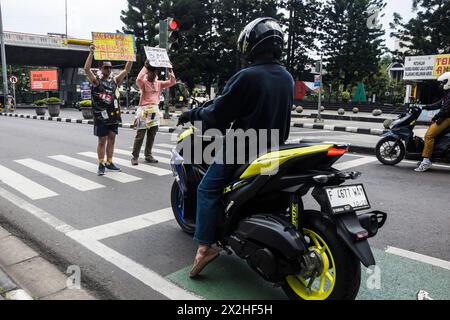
(349, 229)
(355, 237)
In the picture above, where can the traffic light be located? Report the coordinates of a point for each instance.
(162, 36)
(173, 34)
(168, 35)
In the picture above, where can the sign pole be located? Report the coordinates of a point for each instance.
(14, 95)
(3, 55)
(319, 114)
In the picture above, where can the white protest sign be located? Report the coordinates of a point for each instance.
(158, 57)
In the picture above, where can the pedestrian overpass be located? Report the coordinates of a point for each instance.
(68, 55)
(42, 50)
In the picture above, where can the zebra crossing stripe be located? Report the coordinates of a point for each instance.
(126, 163)
(116, 176)
(127, 153)
(63, 176)
(24, 185)
(165, 145)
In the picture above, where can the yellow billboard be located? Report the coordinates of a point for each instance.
(114, 46)
(441, 65)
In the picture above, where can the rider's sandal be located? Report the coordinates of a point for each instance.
(201, 263)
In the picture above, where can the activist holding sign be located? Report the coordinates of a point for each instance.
(147, 115)
(106, 108)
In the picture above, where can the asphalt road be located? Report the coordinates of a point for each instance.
(120, 231)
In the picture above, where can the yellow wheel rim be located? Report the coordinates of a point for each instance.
(323, 285)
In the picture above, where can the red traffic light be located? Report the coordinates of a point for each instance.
(174, 24)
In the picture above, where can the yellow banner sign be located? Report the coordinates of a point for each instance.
(442, 64)
(114, 46)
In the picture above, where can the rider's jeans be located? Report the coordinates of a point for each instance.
(431, 135)
(209, 205)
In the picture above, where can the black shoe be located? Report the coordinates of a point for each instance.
(101, 170)
(151, 160)
(113, 168)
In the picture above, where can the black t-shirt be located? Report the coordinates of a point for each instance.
(105, 102)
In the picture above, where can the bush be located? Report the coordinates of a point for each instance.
(39, 103)
(345, 96)
(52, 100)
(86, 104)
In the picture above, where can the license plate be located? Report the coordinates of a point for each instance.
(345, 199)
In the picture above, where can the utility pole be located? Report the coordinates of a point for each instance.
(3, 54)
(66, 22)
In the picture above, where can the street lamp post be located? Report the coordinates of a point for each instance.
(66, 20)
(319, 114)
(3, 54)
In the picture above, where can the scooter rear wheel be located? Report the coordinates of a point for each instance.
(390, 153)
(341, 275)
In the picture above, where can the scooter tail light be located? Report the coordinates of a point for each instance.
(335, 152)
(363, 235)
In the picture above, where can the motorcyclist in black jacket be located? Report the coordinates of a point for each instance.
(257, 97)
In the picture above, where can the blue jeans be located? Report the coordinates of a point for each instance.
(209, 206)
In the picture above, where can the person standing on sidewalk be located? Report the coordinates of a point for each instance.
(106, 109)
(148, 116)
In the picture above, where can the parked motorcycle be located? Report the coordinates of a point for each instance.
(312, 255)
(400, 142)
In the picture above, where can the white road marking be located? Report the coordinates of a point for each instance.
(354, 163)
(141, 273)
(24, 185)
(160, 151)
(116, 176)
(419, 257)
(36, 212)
(165, 145)
(126, 163)
(127, 153)
(118, 228)
(63, 176)
(404, 161)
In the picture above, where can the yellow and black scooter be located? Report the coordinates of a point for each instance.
(312, 255)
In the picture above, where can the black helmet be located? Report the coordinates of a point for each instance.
(260, 36)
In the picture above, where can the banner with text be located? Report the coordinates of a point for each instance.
(419, 68)
(442, 64)
(114, 46)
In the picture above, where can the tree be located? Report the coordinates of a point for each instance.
(231, 17)
(351, 46)
(426, 34)
(303, 21)
(139, 20)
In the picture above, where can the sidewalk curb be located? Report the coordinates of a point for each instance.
(373, 132)
(351, 118)
(78, 121)
(10, 290)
